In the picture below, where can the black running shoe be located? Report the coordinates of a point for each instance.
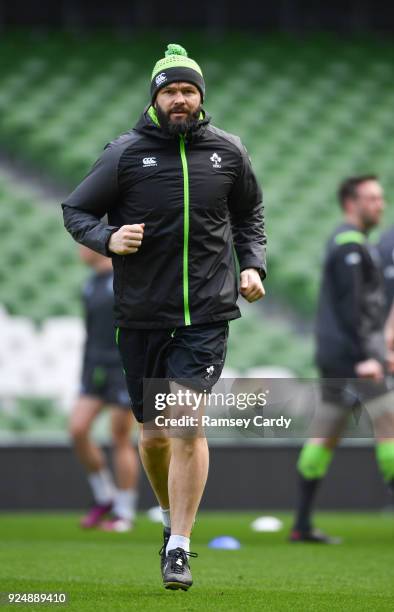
(313, 535)
(162, 551)
(176, 571)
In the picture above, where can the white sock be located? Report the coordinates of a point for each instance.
(165, 514)
(125, 504)
(178, 541)
(102, 486)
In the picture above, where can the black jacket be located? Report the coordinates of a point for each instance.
(352, 304)
(197, 197)
(385, 248)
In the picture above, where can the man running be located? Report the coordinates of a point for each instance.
(179, 194)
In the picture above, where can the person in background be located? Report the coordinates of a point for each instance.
(103, 385)
(351, 352)
(385, 248)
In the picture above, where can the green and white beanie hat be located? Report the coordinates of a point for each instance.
(176, 66)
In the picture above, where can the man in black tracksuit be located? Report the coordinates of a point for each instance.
(179, 195)
(350, 345)
(351, 311)
(385, 248)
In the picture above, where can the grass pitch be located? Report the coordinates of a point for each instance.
(105, 572)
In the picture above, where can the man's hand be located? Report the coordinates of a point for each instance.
(389, 330)
(370, 368)
(251, 286)
(127, 239)
(389, 336)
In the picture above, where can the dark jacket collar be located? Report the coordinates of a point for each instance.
(148, 124)
(351, 227)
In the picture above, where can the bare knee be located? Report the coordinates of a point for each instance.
(121, 430)
(121, 426)
(79, 432)
(82, 418)
(154, 444)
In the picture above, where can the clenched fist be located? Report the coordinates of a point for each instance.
(370, 368)
(251, 286)
(127, 239)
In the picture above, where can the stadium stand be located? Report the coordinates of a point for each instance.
(39, 371)
(307, 119)
(40, 275)
(272, 343)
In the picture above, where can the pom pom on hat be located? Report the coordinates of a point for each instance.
(174, 49)
(176, 66)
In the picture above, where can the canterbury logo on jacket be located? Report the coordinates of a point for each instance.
(198, 198)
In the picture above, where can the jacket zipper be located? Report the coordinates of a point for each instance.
(185, 172)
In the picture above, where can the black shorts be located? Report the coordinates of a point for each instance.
(192, 355)
(344, 389)
(107, 383)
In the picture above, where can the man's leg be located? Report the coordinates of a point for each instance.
(92, 458)
(188, 472)
(83, 415)
(126, 470)
(177, 469)
(186, 482)
(316, 455)
(385, 459)
(154, 445)
(155, 453)
(187, 476)
(312, 466)
(196, 354)
(384, 434)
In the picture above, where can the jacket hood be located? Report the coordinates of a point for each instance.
(149, 124)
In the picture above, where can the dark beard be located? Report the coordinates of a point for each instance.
(176, 128)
